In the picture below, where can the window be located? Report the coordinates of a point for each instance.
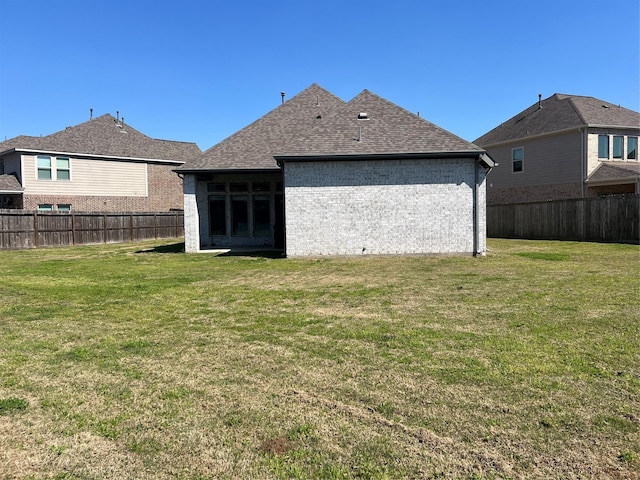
(241, 209)
(218, 215)
(44, 168)
(617, 147)
(63, 207)
(45, 207)
(517, 159)
(53, 168)
(261, 215)
(603, 146)
(63, 172)
(239, 215)
(632, 148)
(239, 187)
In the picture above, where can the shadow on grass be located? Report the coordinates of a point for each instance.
(272, 254)
(171, 248)
(233, 252)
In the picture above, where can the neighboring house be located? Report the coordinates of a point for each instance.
(101, 165)
(566, 146)
(318, 176)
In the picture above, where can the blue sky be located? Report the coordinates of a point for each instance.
(200, 70)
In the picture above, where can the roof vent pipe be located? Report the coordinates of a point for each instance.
(117, 115)
(282, 95)
(91, 114)
(539, 101)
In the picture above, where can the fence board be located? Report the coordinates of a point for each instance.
(20, 229)
(612, 218)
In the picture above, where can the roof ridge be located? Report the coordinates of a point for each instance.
(577, 110)
(274, 111)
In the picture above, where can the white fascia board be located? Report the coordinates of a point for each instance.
(97, 156)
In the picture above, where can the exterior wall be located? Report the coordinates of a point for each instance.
(382, 207)
(191, 233)
(554, 166)
(594, 191)
(592, 157)
(552, 169)
(11, 164)
(89, 177)
(534, 193)
(105, 186)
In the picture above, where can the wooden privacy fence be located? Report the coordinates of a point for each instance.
(21, 229)
(612, 218)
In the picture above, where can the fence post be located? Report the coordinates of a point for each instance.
(155, 225)
(104, 227)
(131, 227)
(36, 242)
(73, 228)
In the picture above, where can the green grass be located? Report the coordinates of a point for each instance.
(139, 361)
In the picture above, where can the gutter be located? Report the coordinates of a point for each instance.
(377, 156)
(91, 155)
(614, 181)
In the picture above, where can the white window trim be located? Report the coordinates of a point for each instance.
(54, 169)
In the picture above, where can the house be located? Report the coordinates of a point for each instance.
(100, 165)
(566, 146)
(320, 176)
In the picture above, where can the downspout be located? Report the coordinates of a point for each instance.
(280, 163)
(488, 163)
(476, 222)
(583, 155)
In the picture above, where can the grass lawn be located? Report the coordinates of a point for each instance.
(139, 361)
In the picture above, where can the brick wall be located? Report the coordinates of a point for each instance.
(381, 207)
(164, 194)
(533, 193)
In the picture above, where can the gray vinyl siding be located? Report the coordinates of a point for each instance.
(547, 160)
(12, 165)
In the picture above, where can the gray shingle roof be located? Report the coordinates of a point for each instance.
(9, 183)
(560, 112)
(315, 122)
(615, 171)
(254, 146)
(105, 136)
(386, 129)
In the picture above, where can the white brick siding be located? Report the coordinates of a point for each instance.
(382, 207)
(191, 216)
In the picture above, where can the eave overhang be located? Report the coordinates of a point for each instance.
(218, 171)
(91, 155)
(480, 155)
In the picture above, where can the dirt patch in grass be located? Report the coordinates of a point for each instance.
(521, 364)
